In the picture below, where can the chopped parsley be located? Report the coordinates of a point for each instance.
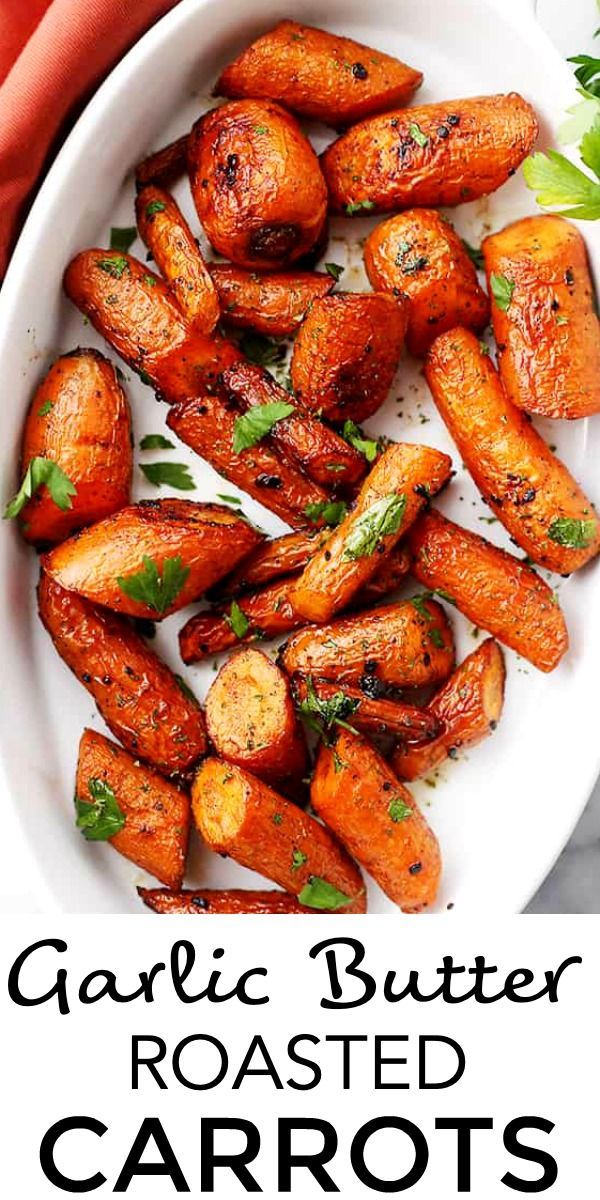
(398, 810)
(318, 893)
(101, 818)
(175, 475)
(359, 206)
(322, 715)
(262, 350)
(155, 206)
(573, 533)
(237, 620)
(475, 254)
(122, 239)
(156, 441)
(255, 424)
(155, 590)
(45, 409)
(113, 266)
(502, 291)
(42, 471)
(299, 858)
(335, 270)
(381, 520)
(332, 512)
(417, 135)
(355, 437)
(408, 265)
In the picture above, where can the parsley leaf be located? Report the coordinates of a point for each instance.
(255, 424)
(576, 534)
(382, 519)
(354, 435)
(155, 206)
(42, 471)
(228, 499)
(359, 206)
(557, 181)
(45, 408)
(113, 266)
(398, 810)
(475, 254)
(322, 715)
(102, 818)
(318, 893)
(410, 266)
(502, 291)
(417, 134)
(332, 511)
(335, 270)
(587, 73)
(299, 858)
(148, 587)
(176, 475)
(156, 441)
(262, 350)
(122, 239)
(237, 620)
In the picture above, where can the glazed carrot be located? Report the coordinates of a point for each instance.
(166, 233)
(241, 816)
(163, 166)
(495, 590)
(547, 329)
(358, 796)
(154, 557)
(528, 489)
(156, 828)
(392, 496)
(256, 184)
(140, 699)
(321, 453)
(319, 74)
(469, 706)
(210, 901)
(273, 559)
(371, 714)
(131, 307)
(347, 352)
(79, 418)
(274, 303)
(264, 614)
(396, 645)
(437, 154)
(269, 613)
(420, 255)
(251, 721)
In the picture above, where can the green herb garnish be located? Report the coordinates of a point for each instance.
(417, 135)
(255, 424)
(45, 409)
(151, 588)
(475, 254)
(410, 266)
(573, 533)
(331, 511)
(237, 620)
(262, 350)
(113, 266)
(398, 810)
(322, 715)
(299, 858)
(355, 437)
(335, 270)
(42, 471)
(175, 475)
(122, 239)
(318, 893)
(155, 206)
(359, 206)
(101, 818)
(502, 291)
(381, 520)
(156, 441)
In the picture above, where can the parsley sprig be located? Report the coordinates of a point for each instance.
(322, 715)
(102, 817)
(42, 471)
(155, 589)
(381, 520)
(255, 424)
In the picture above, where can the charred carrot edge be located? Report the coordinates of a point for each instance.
(156, 813)
(209, 901)
(166, 233)
(526, 486)
(495, 590)
(358, 796)
(163, 166)
(371, 714)
(393, 494)
(468, 706)
(242, 817)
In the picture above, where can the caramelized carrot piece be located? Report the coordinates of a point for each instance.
(166, 233)
(548, 333)
(528, 489)
(157, 813)
(275, 558)
(468, 706)
(358, 796)
(241, 816)
(371, 714)
(210, 901)
(163, 166)
(495, 590)
(272, 303)
(319, 74)
(392, 496)
(140, 699)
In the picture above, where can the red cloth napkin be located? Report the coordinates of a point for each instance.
(53, 54)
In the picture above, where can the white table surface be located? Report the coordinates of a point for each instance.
(574, 884)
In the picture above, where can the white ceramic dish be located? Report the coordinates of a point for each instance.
(504, 813)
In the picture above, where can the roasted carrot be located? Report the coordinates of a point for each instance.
(495, 590)
(166, 233)
(468, 706)
(140, 699)
(370, 714)
(527, 487)
(321, 453)
(347, 352)
(256, 183)
(79, 419)
(358, 796)
(240, 816)
(163, 166)
(319, 74)
(388, 577)
(211, 901)
(251, 721)
(273, 559)
(156, 812)
(437, 154)
(544, 317)
(154, 557)
(392, 496)
(396, 645)
(131, 307)
(272, 303)
(420, 255)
